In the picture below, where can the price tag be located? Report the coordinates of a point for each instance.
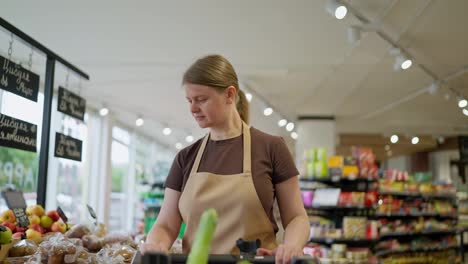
(92, 213)
(62, 215)
(15, 201)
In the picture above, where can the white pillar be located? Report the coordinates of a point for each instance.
(315, 132)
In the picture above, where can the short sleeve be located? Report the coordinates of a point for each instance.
(176, 174)
(284, 167)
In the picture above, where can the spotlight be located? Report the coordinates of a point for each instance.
(139, 121)
(248, 96)
(178, 145)
(167, 131)
(402, 63)
(268, 111)
(415, 140)
(462, 103)
(282, 122)
(337, 9)
(290, 126)
(294, 135)
(394, 139)
(189, 139)
(104, 111)
(465, 112)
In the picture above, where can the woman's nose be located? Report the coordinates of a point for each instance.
(194, 108)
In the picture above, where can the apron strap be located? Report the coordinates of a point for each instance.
(196, 164)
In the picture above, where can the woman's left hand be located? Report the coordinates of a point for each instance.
(283, 253)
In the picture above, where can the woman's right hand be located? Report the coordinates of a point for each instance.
(153, 247)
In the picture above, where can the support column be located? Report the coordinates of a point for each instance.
(315, 132)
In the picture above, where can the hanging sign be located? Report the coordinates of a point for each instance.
(71, 104)
(16, 79)
(15, 133)
(67, 147)
(92, 213)
(15, 201)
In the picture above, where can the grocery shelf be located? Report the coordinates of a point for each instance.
(424, 232)
(421, 249)
(383, 215)
(336, 207)
(417, 194)
(324, 240)
(334, 180)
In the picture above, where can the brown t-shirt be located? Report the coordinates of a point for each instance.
(272, 163)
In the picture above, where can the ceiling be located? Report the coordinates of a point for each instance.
(292, 54)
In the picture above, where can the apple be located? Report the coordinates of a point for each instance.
(54, 215)
(10, 225)
(21, 229)
(5, 236)
(8, 216)
(59, 227)
(35, 210)
(31, 233)
(38, 228)
(34, 220)
(46, 221)
(18, 235)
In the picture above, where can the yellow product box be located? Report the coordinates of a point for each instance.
(350, 172)
(354, 227)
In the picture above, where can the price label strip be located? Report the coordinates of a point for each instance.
(15, 201)
(63, 216)
(92, 213)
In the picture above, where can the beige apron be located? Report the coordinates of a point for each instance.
(241, 214)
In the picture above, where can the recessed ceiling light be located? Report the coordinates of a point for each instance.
(394, 139)
(167, 131)
(290, 126)
(139, 121)
(268, 111)
(415, 140)
(282, 122)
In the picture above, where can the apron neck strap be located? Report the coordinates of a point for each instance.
(247, 163)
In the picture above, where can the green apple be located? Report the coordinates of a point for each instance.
(46, 221)
(5, 236)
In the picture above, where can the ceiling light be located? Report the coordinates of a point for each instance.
(178, 145)
(354, 34)
(441, 140)
(394, 139)
(465, 112)
(248, 96)
(401, 62)
(104, 111)
(268, 111)
(387, 147)
(139, 121)
(462, 103)
(294, 135)
(290, 126)
(406, 64)
(335, 8)
(282, 122)
(189, 139)
(415, 140)
(389, 153)
(167, 131)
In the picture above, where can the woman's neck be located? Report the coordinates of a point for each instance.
(230, 129)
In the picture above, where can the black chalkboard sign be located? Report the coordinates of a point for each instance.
(71, 104)
(91, 212)
(16, 133)
(16, 79)
(62, 214)
(15, 201)
(67, 147)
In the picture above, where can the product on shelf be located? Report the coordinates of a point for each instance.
(354, 227)
(366, 162)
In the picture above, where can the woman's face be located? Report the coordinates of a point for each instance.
(207, 105)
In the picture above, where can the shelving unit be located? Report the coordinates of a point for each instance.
(421, 249)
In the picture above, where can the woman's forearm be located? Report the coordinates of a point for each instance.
(161, 235)
(297, 232)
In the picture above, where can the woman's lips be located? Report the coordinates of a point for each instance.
(198, 118)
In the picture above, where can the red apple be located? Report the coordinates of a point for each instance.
(38, 228)
(31, 233)
(8, 216)
(21, 229)
(5, 236)
(54, 215)
(17, 235)
(10, 225)
(58, 227)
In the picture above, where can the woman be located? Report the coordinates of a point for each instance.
(236, 169)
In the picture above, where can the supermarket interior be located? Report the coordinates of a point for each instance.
(357, 112)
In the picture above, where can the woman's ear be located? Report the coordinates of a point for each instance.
(231, 94)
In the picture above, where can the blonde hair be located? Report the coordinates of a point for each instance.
(217, 72)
